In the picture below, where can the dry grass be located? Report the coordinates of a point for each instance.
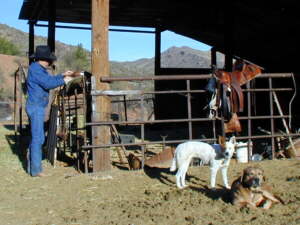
(135, 197)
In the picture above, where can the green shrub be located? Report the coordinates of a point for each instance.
(77, 60)
(8, 48)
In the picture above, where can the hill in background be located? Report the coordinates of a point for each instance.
(174, 57)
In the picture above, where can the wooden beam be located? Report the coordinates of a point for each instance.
(157, 63)
(228, 35)
(31, 41)
(100, 68)
(213, 56)
(51, 24)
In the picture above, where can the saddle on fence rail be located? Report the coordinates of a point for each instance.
(229, 95)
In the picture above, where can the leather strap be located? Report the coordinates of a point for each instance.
(237, 88)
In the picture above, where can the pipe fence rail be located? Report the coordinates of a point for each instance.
(249, 91)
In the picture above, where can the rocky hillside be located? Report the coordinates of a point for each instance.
(20, 39)
(174, 57)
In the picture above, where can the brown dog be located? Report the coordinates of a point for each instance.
(251, 191)
(134, 162)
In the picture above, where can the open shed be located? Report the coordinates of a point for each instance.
(261, 32)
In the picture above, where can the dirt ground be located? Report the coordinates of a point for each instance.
(134, 197)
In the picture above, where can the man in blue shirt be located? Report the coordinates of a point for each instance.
(39, 82)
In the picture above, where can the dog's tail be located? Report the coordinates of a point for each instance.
(174, 163)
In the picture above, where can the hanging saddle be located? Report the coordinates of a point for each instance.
(230, 98)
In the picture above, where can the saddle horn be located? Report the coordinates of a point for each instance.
(249, 62)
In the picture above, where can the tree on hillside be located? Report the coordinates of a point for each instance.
(77, 59)
(8, 48)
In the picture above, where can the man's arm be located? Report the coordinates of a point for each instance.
(47, 81)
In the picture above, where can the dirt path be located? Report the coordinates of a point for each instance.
(134, 197)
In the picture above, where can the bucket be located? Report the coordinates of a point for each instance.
(242, 152)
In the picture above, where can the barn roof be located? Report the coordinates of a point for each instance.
(261, 31)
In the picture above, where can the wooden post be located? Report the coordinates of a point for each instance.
(157, 60)
(100, 68)
(31, 41)
(51, 25)
(228, 35)
(213, 54)
(157, 71)
(213, 58)
(20, 101)
(125, 107)
(16, 104)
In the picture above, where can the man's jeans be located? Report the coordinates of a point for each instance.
(36, 115)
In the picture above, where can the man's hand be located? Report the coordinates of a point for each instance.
(68, 73)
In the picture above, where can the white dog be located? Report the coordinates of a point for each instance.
(217, 155)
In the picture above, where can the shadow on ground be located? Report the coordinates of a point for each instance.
(160, 174)
(19, 144)
(214, 194)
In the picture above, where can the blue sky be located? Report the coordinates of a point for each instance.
(122, 46)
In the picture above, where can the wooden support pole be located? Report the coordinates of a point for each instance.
(20, 107)
(157, 71)
(31, 41)
(228, 35)
(157, 60)
(100, 68)
(51, 25)
(125, 107)
(213, 57)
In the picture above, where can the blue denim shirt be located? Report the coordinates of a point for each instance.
(39, 82)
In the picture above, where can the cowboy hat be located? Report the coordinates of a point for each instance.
(42, 52)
